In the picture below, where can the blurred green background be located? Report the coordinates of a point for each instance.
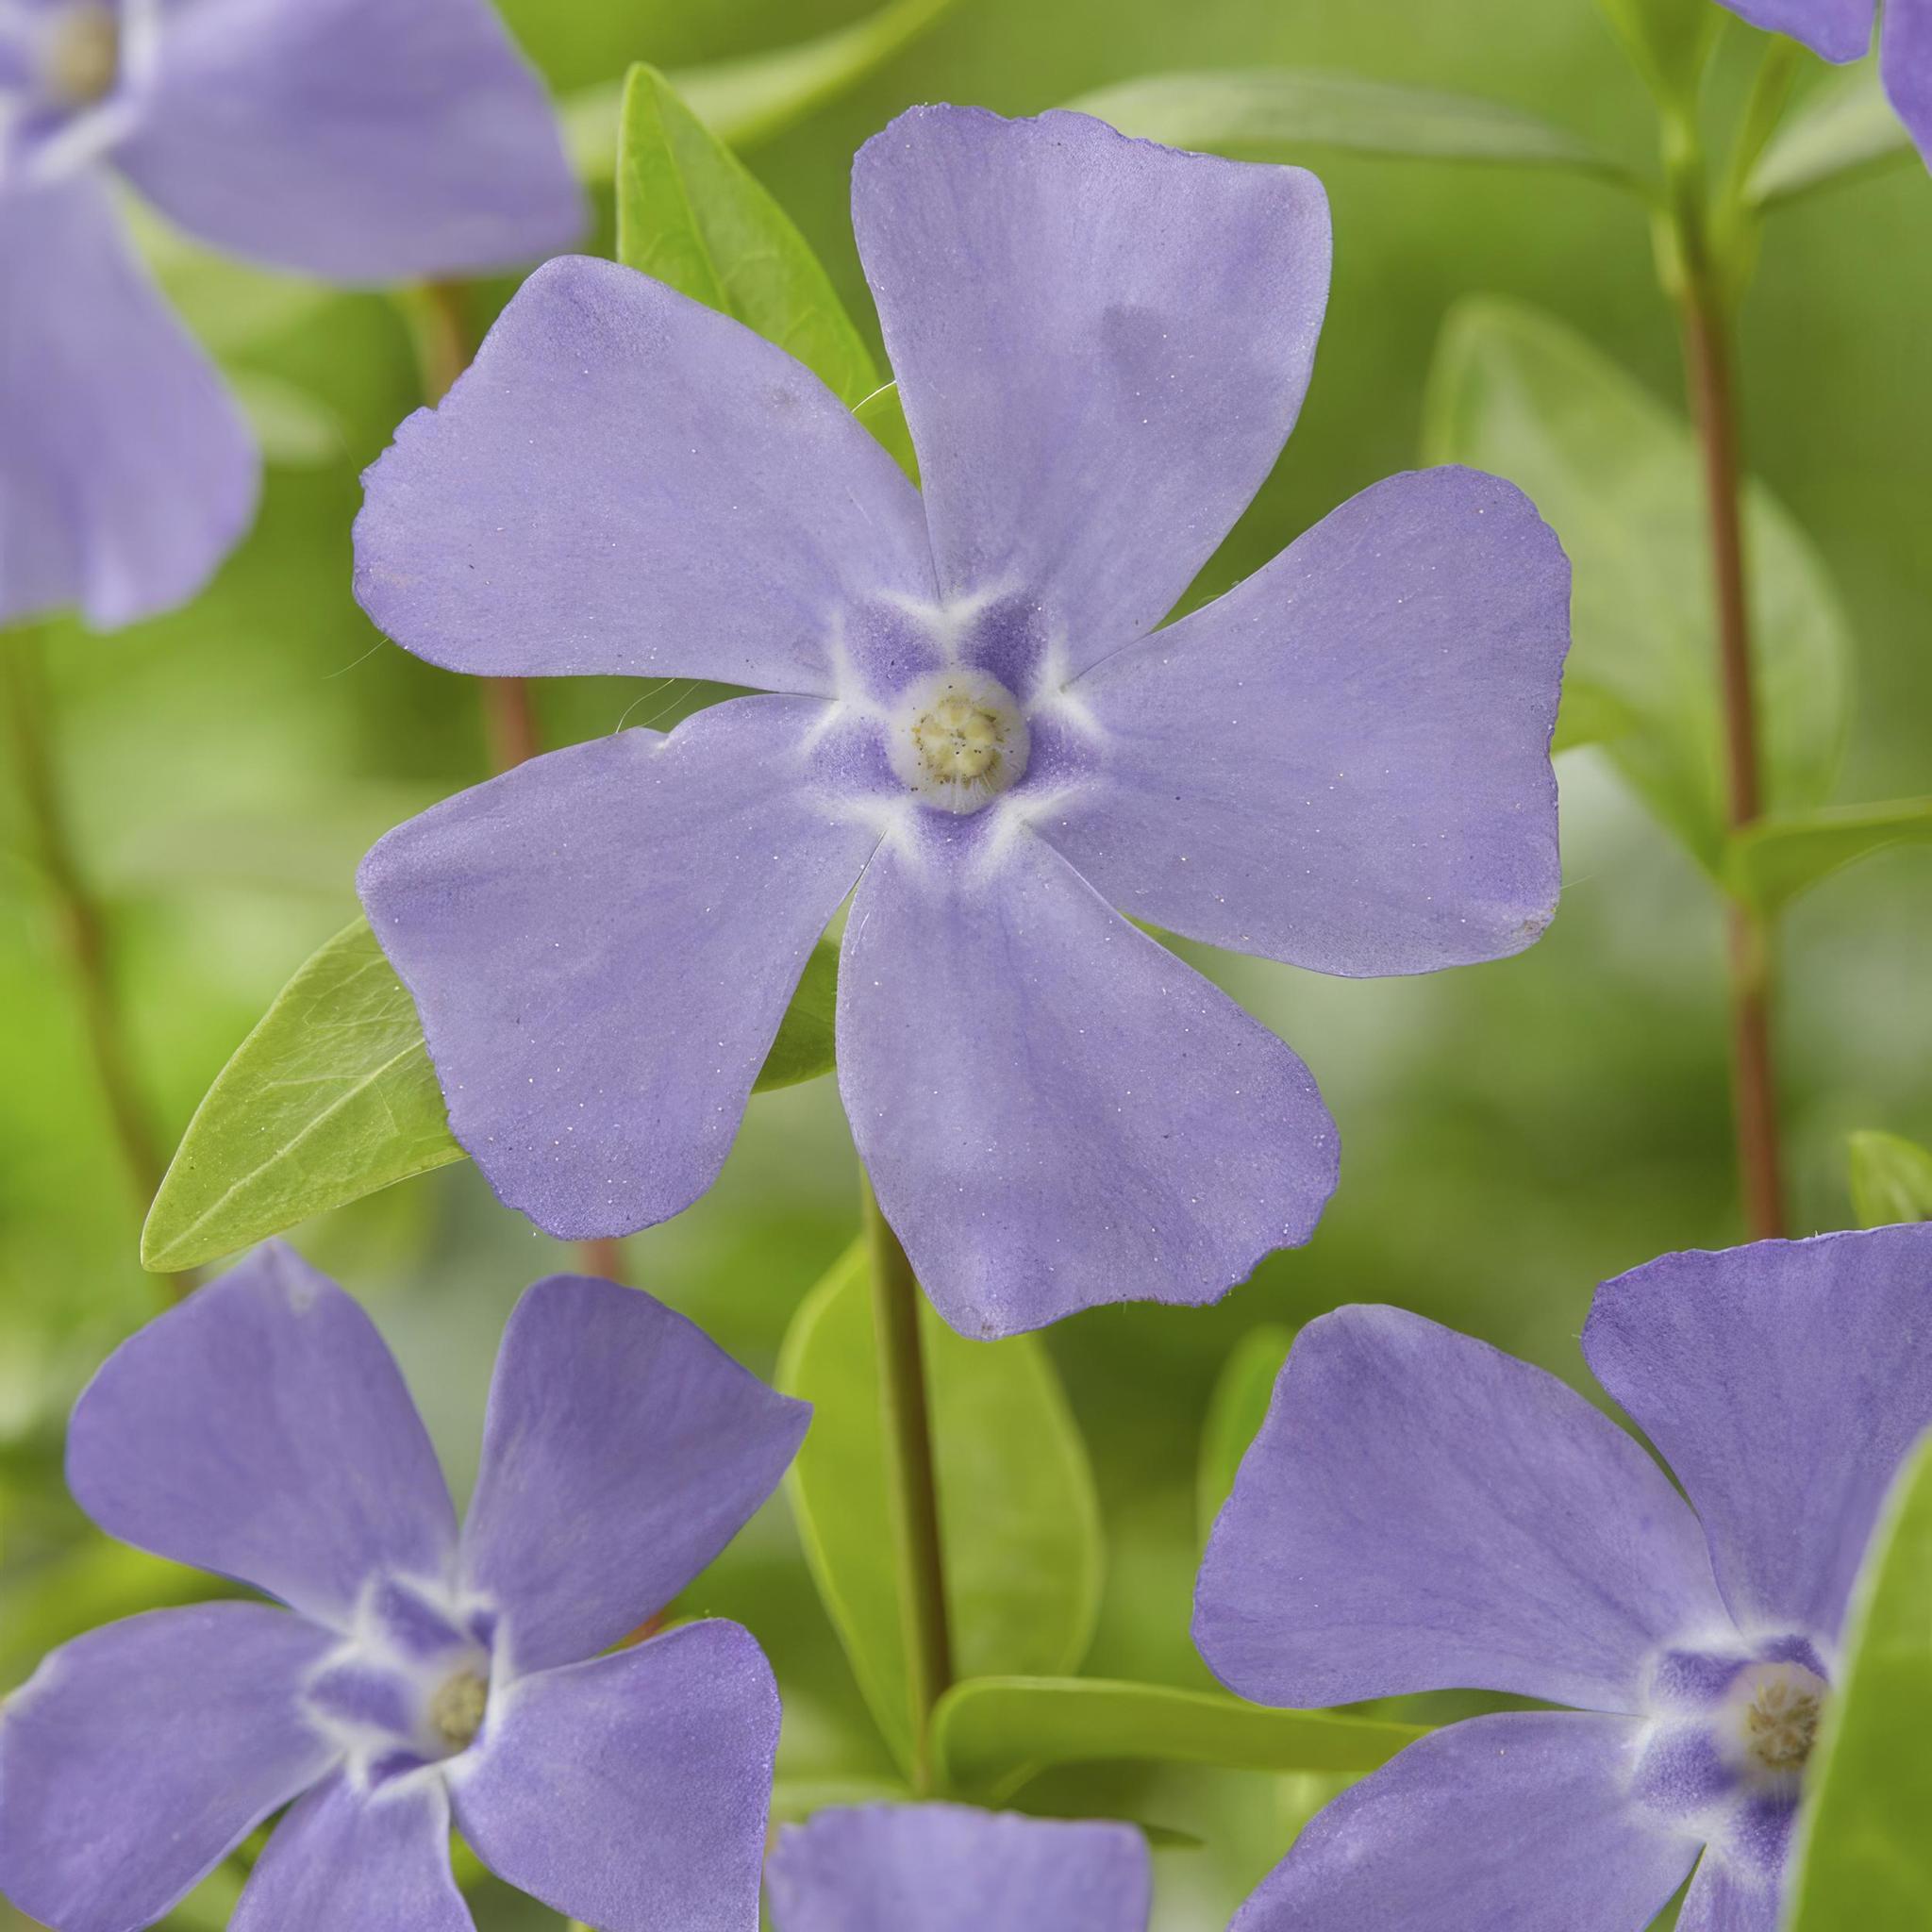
(1512, 1134)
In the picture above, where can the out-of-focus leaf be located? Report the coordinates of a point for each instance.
(1516, 393)
(1843, 129)
(795, 1799)
(991, 1735)
(1236, 1410)
(1864, 1856)
(1671, 41)
(231, 305)
(803, 1049)
(1277, 114)
(884, 414)
(1019, 1520)
(1775, 859)
(690, 212)
(297, 430)
(1891, 1179)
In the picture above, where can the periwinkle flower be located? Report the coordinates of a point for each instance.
(1841, 31)
(1101, 346)
(949, 1868)
(262, 1430)
(360, 140)
(1421, 1512)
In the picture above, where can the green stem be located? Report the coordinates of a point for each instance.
(912, 1482)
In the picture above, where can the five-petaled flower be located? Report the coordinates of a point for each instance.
(361, 140)
(262, 1431)
(1420, 1512)
(949, 1868)
(1101, 346)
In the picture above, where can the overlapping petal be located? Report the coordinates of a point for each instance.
(140, 1756)
(125, 473)
(602, 944)
(1783, 1383)
(1723, 1900)
(1056, 1111)
(1101, 346)
(1905, 58)
(1422, 1512)
(627, 481)
(261, 1429)
(358, 140)
(632, 1791)
(623, 1450)
(1345, 763)
(1837, 29)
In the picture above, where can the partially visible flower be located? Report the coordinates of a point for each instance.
(1841, 31)
(1101, 345)
(360, 140)
(262, 1430)
(949, 1868)
(1420, 1512)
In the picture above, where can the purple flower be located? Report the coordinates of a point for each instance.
(948, 1868)
(1842, 30)
(1100, 345)
(262, 1431)
(1421, 1512)
(361, 141)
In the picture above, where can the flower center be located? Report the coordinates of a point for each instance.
(1770, 1718)
(83, 58)
(959, 740)
(456, 1709)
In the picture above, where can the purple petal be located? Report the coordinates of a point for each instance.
(377, 1863)
(1835, 29)
(1345, 763)
(1783, 1383)
(355, 138)
(632, 1792)
(1056, 1111)
(137, 1757)
(125, 473)
(1101, 345)
(262, 1430)
(949, 1868)
(623, 1450)
(1422, 1512)
(1906, 58)
(1519, 1821)
(627, 481)
(602, 944)
(1721, 1899)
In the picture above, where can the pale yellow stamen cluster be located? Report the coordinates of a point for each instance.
(1780, 1723)
(959, 740)
(84, 59)
(456, 1711)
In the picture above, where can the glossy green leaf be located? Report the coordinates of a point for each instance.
(1616, 474)
(1278, 114)
(1863, 1852)
(690, 213)
(1777, 858)
(1018, 1516)
(991, 1735)
(1891, 1179)
(803, 1049)
(885, 416)
(1236, 1410)
(1844, 127)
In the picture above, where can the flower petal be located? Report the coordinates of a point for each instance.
(127, 475)
(137, 1757)
(1783, 1383)
(1504, 1820)
(602, 944)
(355, 138)
(623, 1450)
(262, 1430)
(1721, 1899)
(1101, 345)
(950, 1868)
(1345, 763)
(377, 1862)
(626, 481)
(1056, 1111)
(1905, 57)
(1422, 1512)
(1835, 30)
(632, 1791)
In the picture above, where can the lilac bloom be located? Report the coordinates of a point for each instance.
(1101, 346)
(1841, 31)
(949, 1868)
(262, 1430)
(361, 140)
(1421, 1512)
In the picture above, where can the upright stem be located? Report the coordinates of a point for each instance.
(912, 1482)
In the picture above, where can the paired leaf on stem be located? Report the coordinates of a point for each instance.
(1844, 128)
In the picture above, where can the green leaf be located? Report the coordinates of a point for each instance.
(885, 416)
(1277, 114)
(1775, 859)
(1669, 40)
(1863, 1853)
(803, 1049)
(991, 1735)
(1516, 393)
(1891, 1179)
(1236, 1410)
(1844, 127)
(1018, 1516)
(690, 213)
(297, 430)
